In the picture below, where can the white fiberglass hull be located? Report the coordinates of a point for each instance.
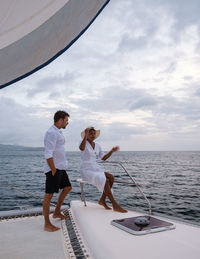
(107, 241)
(24, 237)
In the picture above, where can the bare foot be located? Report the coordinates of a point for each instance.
(59, 216)
(119, 209)
(104, 204)
(50, 228)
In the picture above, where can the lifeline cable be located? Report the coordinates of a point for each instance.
(27, 193)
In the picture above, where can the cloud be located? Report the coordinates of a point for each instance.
(186, 12)
(21, 125)
(197, 92)
(131, 44)
(171, 68)
(134, 74)
(51, 83)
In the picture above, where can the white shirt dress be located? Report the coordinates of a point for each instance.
(90, 170)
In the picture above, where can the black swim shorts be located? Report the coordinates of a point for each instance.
(59, 181)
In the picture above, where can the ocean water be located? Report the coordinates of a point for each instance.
(170, 180)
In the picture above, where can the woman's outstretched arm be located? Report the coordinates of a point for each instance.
(114, 149)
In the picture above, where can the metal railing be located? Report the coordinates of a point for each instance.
(133, 182)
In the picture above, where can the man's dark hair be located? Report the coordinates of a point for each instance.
(60, 115)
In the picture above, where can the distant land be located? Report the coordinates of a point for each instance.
(16, 147)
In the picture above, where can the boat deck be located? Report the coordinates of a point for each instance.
(24, 238)
(108, 241)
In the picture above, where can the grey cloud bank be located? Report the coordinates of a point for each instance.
(134, 74)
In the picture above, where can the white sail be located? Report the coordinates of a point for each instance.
(34, 33)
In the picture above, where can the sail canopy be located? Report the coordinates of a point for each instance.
(34, 33)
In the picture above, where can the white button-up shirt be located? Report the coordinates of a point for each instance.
(54, 143)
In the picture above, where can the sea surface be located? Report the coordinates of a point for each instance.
(170, 180)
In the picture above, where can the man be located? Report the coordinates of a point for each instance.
(55, 166)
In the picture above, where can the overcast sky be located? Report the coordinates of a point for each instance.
(134, 74)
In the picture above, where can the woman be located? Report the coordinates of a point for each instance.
(92, 172)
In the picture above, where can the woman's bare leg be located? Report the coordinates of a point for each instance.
(102, 200)
(108, 193)
(110, 178)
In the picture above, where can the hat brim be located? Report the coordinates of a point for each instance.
(96, 136)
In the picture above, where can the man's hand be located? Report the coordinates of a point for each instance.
(51, 165)
(53, 171)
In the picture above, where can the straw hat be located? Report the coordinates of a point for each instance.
(97, 132)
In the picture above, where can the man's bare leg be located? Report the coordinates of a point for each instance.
(57, 213)
(46, 208)
(108, 193)
(102, 200)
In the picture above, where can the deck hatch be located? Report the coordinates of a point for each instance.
(131, 225)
